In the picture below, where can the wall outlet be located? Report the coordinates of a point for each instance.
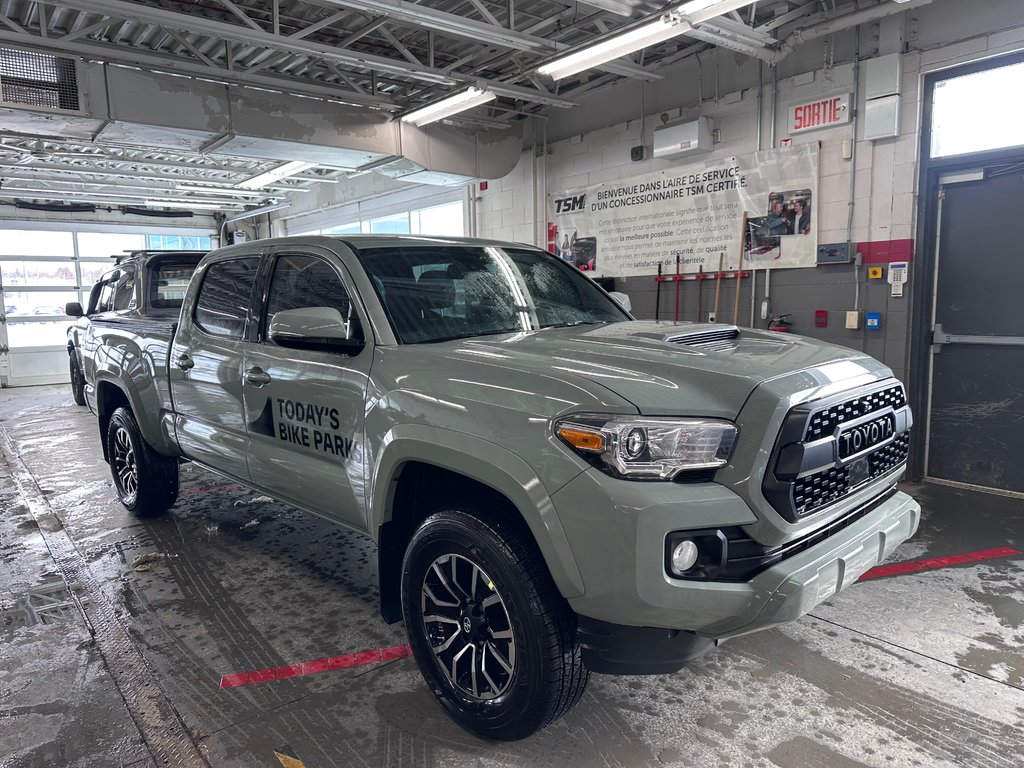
(853, 320)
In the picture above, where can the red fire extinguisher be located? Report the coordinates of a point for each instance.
(780, 324)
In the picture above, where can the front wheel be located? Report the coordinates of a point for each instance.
(145, 481)
(77, 381)
(494, 639)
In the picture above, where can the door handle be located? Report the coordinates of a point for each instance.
(185, 362)
(256, 377)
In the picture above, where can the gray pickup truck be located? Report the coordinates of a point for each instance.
(554, 487)
(140, 284)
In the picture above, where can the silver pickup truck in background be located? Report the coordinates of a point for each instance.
(141, 284)
(554, 487)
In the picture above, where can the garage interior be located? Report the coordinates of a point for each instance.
(239, 631)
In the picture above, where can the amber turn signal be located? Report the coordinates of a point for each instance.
(582, 439)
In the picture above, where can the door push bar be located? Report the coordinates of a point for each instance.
(941, 338)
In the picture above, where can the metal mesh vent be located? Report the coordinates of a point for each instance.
(38, 80)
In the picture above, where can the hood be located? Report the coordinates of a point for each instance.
(672, 369)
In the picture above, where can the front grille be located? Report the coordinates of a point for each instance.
(825, 421)
(806, 475)
(716, 339)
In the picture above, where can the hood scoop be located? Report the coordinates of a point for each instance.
(712, 339)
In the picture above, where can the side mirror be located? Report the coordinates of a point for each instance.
(623, 300)
(73, 309)
(320, 328)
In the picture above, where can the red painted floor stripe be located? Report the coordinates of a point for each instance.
(931, 563)
(314, 667)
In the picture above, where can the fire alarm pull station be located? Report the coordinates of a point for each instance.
(897, 277)
(821, 318)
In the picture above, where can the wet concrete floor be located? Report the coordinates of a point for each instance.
(102, 664)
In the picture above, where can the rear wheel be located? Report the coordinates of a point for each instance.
(494, 639)
(77, 381)
(145, 481)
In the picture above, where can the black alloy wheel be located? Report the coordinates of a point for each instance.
(495, 641)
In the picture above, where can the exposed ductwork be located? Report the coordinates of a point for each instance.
(146, 109)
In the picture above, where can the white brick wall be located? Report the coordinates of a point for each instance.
(885, 198)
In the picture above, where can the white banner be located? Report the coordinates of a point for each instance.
(694, 213)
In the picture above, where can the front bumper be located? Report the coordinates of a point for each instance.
(626, 583)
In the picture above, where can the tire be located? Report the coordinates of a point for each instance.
(515, 611)
(145, 481)
(77, 380)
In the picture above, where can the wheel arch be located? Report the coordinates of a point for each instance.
(419, 466)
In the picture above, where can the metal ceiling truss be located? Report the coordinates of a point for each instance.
(387, 55)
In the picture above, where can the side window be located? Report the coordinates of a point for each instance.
(305, 281)
(225, 295)
(105, 302)
(124, 290)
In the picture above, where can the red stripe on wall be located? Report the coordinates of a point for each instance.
(886, 251)
(932, 563)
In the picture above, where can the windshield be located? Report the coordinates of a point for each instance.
(437, 293)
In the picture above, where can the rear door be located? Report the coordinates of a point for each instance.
(206, 366)
(305, 407)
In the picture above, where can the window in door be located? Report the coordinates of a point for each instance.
(222, 305)
(301, 281)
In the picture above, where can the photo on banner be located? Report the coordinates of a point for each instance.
(693, 213)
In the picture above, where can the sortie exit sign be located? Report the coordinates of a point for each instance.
(820, 113)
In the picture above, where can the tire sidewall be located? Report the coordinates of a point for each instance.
(122, 420)
(77, 382)
(444, 534)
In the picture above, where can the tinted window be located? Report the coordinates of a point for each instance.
(124, 289)
(437, 293)
(105, 302)
(169, 280)
(305, 281)
(96, 295)
(224, 298)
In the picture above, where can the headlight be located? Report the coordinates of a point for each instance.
(648, 449)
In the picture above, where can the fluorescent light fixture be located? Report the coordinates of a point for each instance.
(453, 105)
(678, 22)
(186, 204)
(276, 174)
(659, 30)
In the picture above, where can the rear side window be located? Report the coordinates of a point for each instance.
(305, 281)
(124, 290)
(225, 296)
(169, 280)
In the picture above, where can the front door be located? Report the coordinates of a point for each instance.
(305, 407)
(976, 424)
(206, 367)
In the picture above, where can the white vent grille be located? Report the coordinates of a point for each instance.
(713, 339)
(29, 79)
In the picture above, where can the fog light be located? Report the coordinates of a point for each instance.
(684, 555)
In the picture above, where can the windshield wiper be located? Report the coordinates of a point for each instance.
(575, 323)
(470, 335)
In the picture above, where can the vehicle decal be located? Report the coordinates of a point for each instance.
(304, 424)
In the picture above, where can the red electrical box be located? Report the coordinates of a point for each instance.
(821, 318)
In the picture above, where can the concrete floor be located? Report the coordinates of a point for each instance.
(103, 665)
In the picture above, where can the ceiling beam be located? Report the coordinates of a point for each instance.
(422, 17)
(246, 35)
(122, 54)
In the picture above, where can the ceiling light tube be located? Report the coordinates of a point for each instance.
(453, 105)
(659, 30)
(679, 22)
(276, 174)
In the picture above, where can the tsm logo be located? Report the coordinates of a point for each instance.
(570, 204)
